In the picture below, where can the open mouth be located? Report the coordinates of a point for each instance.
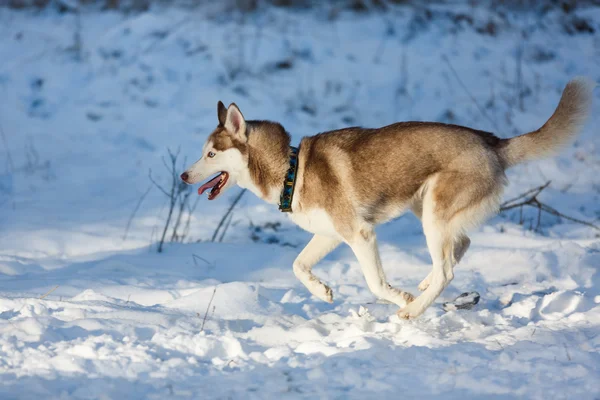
(215, 184)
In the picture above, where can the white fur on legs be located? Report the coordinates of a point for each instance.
(425, 282)
(318, 247)
(364, 246)
(440, 242)
(460, 248)
(441, 274)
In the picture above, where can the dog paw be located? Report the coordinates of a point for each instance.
(400, 297)
(328, 294)
(424, 284)
(408, 312)
(408, 297)
(324, 292)
(402, 314)
(405, 314)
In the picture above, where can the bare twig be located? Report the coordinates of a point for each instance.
(567, 351)
(186, 228)
(550, 210)
(178, 194)
(380, 48)
(152, 233)
(183, 195)
(499, 344)
(167, 222)
(169, 168)
(461, 83)
(8, 155)
(135, 210)
(171, 195)
(507, 205)
(226, 227)
(195, 256)
(208, 308)
(50, 291)
(529, 198)
(156, 184)
(224, 219)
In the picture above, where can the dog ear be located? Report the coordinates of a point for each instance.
(235, 123)
(221, 113)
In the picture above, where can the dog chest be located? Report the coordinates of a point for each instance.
(316, 221)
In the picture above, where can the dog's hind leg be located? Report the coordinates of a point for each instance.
(318, 247)
(364, 246)
(461, 245)
(439, 243)
(454, 202)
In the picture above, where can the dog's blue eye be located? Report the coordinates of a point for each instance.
(211, 154)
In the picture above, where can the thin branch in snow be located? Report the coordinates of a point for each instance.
(567, 351)
(226, 227)
(183, 196)
(135, 210)
(208, 308)
(499, 344)
(50, 291)
(156, 184)
(507, 205)
(195, 257)
(224, 219)
(178, 194)
(186, 228)
(11, 165)
(529, 199)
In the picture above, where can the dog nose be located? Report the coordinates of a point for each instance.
(184, 176)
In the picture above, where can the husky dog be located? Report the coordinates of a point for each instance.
(342, 183)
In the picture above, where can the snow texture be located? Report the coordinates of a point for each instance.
(85, 314)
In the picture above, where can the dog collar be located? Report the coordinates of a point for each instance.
(285, 201)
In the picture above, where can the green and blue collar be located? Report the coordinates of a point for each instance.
(289, 183)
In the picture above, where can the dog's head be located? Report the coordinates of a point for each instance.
(225, 153)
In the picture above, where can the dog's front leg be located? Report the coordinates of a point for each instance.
(364, 246)
(318, 247)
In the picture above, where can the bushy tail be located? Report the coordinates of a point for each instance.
(558, 131)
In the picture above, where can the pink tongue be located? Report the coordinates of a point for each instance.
(210, 184)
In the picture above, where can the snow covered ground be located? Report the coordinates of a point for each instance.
(84, 123)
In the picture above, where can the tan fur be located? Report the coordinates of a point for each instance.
(384, 169)
(222, 140)
(268, 154)
(558, 131)
(267, 151)
(352, 179)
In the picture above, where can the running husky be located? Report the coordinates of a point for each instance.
(339, 185)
